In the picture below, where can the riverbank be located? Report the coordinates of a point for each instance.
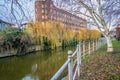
(42, 64)
(29, 49)
(34, 48)
(13, 52)
(102, 65)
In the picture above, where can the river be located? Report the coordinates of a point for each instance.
(40, 65)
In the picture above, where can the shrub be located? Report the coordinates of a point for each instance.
(15, 38)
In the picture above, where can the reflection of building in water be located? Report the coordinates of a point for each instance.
(45, 11)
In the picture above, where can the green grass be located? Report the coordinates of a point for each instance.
(116, 45)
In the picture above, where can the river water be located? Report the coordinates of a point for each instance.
(40, 65)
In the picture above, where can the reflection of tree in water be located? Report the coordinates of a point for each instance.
(33, 75)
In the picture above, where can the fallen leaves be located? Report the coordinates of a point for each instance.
(101, 67)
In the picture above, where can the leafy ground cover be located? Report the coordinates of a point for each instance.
(101, 65)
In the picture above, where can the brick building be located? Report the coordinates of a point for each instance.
(45, 11)
(118, 30)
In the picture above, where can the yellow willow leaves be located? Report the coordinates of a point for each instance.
(56, 32)
(70, 34)
(84, 34)
(95, 34)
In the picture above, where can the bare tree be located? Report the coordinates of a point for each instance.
(17, 11)
(100, 13)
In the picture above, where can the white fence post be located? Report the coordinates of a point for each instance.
(80, 52)
(89, 46)
(100, 42)
(96, 44)
(78, 59)
(83, 49)
(93, 45)
(70, 66)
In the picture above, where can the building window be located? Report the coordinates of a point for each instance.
(43, 11)
(43, 16)
(43, 23)
(42, 5)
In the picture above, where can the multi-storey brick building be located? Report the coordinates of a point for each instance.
(45, 11)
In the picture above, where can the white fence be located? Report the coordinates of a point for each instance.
(83, 49)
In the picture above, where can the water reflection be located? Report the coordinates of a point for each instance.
(33, 75)
(30, 77)
(36, 66)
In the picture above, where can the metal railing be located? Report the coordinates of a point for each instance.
(83, 49)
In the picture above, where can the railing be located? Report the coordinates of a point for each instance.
(83, 49)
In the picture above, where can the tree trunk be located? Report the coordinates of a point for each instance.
(109, 44)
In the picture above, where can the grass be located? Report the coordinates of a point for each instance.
(116, 45)
(101, 65)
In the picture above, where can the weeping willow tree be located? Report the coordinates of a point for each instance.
(55, 34)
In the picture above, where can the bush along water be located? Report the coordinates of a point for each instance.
(14, 38)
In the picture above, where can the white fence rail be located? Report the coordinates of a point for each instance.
(83, 49)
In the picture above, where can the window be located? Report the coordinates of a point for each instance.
(42, 5)
(43, 11)
(43, 16)
(43, 23)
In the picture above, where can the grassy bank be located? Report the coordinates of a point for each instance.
(102, 65)
(116, 45)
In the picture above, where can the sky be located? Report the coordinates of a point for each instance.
(28, 7)
(5, 11)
